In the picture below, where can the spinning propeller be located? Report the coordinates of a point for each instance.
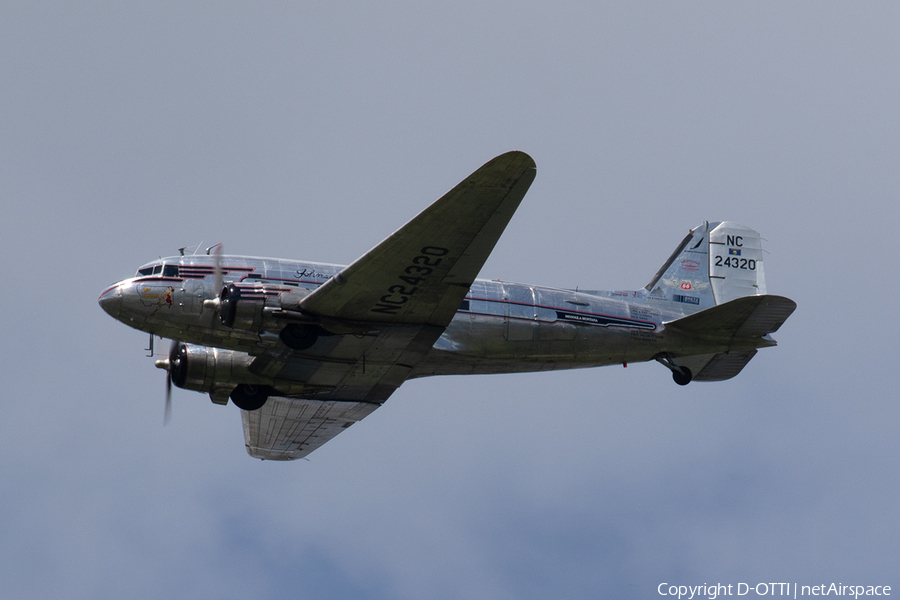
(223, 303)
(176, 370)
(219, 279)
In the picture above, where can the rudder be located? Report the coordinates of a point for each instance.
(735, 262)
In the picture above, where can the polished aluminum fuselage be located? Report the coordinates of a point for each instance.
(500, 327)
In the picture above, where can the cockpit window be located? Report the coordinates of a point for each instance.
(170, 271)
(153, 270)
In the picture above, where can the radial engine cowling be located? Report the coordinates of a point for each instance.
(205, 369)
(244, 306)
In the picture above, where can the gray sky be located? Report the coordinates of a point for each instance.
(128, 130)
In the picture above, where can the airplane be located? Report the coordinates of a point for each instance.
(306, 350)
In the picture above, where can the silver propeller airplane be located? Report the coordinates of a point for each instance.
(308, 349)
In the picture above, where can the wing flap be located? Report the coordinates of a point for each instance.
(421, 273)
(291, 428)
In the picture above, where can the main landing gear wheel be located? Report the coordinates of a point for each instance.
(250, 397)
(681, 374)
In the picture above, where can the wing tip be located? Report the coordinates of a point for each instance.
(519, 156)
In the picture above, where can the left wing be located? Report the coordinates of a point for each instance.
(421, 273)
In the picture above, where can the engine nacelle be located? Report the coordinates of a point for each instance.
(205, 369)
(244, 306)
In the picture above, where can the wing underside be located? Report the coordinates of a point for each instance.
(291, 428)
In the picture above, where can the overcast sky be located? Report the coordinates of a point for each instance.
(291, 129)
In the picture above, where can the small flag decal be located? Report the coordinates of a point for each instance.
(734, 252)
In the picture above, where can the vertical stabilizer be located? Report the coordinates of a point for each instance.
(682, 283)
(716, 262)
(735, 262)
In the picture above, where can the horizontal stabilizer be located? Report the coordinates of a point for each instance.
(725, 365)
(746, 317)
(716, 367)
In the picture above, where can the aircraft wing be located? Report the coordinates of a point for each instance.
(385, 311)
(421, 273)
(347, 377)
(291, 428)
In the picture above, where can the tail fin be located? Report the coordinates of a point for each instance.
(715, 263)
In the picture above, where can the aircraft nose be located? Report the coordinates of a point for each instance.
(111, 300)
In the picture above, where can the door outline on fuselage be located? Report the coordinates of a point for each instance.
(519, 313)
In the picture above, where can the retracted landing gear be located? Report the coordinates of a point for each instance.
(682, 375)
(300, 337)
(250, 397)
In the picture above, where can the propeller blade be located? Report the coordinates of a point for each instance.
(219, 278)
(169, 365)
(167, 416)
(218, 283)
